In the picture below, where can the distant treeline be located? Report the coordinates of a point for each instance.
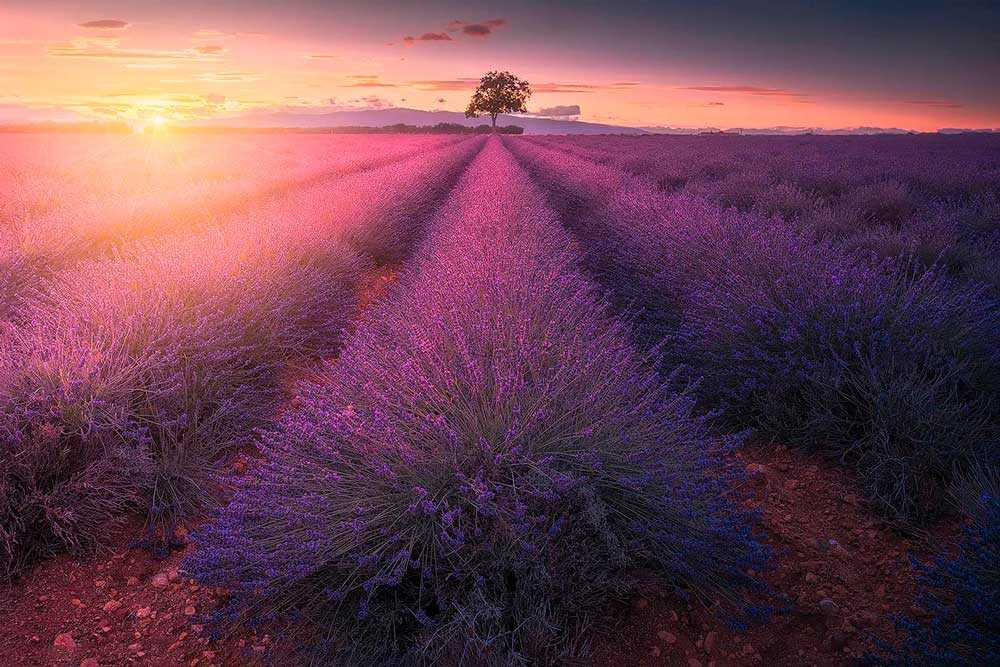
(399, 128)
(97, 128)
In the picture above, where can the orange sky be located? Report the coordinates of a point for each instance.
(677, 68)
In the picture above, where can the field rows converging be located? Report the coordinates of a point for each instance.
(893, 367)
(487, 461)
(171, 193)
(934, 200)
(39, 239)
(553, 334)
(587, 384)
(124, 387)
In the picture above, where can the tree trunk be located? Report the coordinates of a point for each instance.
(493, 117)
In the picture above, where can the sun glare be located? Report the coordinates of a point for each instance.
(159, 121)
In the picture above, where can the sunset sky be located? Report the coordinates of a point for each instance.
(916, 65)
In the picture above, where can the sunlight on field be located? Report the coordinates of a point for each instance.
(499, 334)
(582, 332)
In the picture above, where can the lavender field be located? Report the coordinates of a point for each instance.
(458, 399)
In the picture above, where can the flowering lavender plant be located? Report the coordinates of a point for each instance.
(887, 364)
(489, 462)
(125, 386)
(960, 592)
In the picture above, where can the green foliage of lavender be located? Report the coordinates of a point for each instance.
(960, 591)
(885, 363)
(127, 384)
(488, 464)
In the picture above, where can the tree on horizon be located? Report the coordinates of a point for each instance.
(497, 93)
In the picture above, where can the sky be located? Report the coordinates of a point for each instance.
(913, 64)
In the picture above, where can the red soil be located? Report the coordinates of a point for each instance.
(119, 607)
(844, 573)
(377, 284)
(124, 607)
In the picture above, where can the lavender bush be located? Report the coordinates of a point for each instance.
(50, 223)
(960, 592)
(154, 362)
(836, 187)
(601, 208)
(888, 365)
(139, 189)
(151, 365)
(487, 464)
(892, 369)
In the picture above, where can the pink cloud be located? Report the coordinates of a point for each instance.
(105, 24)
(428, 37)
(103, 49)
(940, 104)
(748, 90)
(368, 81)
(480, 29)
(443, 85)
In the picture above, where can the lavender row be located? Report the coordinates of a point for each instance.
(933, 199)
(889, 366)
(484, 468)
(134, 189)
(124, 388)
(40, 240)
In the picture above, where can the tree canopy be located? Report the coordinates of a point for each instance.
(497, 93)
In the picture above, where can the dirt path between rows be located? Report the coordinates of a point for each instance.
(845, 573)
(123, 605)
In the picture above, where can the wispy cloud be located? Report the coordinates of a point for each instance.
(559, 111)
(105, 48)
(482, 29)
(446, 84)
(477, 30)
(105, 24)
(748, 90)
(227, 77)
(370, 102)
(428, 37)
(210, 50)
(214, 35)
(367, 81)
(469, 83)
(550, 87)
(938, 104)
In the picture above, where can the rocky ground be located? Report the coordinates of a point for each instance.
(844, 575)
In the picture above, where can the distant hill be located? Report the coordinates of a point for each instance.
(395, 116)
(782, 130)
(423, 121)
(962, 130)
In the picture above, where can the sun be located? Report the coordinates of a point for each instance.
(159, 121)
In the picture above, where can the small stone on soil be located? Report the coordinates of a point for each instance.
(667, 637)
